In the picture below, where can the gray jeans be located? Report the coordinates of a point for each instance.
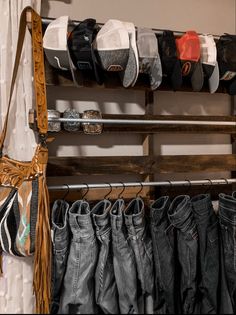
(78, 296)
(105, 284)
(60, 242)
(139, 238)
(124, 262)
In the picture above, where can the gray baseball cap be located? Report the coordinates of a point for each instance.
(149, 58)
(116, 49)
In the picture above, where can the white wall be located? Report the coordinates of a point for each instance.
(207, 16)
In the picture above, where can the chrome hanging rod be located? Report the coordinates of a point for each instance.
(47, 20)
(221, 181)
(144, 122)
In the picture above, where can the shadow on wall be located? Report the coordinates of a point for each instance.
(46, 6)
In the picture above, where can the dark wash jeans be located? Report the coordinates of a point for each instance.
(124, 261)
(227, 217)
(164, 257)
(60, 245)
(140, 241)
(181, 217)
(105, 285)
(78, 296)
(209, 254)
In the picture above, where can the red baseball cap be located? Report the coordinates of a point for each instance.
(189, 53)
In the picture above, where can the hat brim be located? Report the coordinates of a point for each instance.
(231, 88)
(130, 73)
(176, 76)
(197, 78)
(214, 79)
(155, 74)
(97, 70)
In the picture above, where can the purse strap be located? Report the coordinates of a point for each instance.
(39, 74)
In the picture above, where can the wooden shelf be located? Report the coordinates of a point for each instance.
(143, 165)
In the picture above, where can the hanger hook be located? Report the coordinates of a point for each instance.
(123, 189)
(83, 196)
(67, 191)
(139, 190)
(189, 184)
(106, 196)
(226, 180)
(207, 190)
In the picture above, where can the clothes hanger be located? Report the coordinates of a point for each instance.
(86, 192)
(208, 187)
(138, 193)
(106, 196)
(119, 196)
(63, 201)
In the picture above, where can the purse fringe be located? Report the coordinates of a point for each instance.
(42, 256)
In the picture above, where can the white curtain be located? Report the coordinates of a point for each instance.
(16, 294)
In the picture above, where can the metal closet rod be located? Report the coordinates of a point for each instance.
(221, 181)
(47, 20)
(143, 122)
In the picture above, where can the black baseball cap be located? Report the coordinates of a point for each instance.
(171, 66)
(226, 57)
(80, 44)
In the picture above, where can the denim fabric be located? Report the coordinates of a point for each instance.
(164, 257)
(124, 262)
(78, 296)
(181, 216)
(60, 245)
(140, 241)
(227, 217)
(105, 285)
(208, 232)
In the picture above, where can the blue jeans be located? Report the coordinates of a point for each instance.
(209, 253)
(164, 257)
(181, 217)
(227, 218)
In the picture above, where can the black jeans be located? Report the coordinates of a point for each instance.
(78, 296)
(164, 257)
(105, 285)
(60, 245)
(124, 262)
(209, 254)
(181, 216)
(140, 241)
(227, 217)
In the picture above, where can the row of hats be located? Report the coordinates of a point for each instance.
(119, 46)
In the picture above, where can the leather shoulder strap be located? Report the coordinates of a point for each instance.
(39, 72)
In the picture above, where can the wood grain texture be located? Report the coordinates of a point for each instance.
(73, 166)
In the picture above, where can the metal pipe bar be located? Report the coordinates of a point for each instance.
(221, 181)
(47, 20)
(144, 122)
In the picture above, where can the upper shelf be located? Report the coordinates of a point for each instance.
(55, 77)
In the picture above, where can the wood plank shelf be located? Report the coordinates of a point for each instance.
(143, 165)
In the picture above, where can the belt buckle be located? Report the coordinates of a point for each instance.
(92, 128)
